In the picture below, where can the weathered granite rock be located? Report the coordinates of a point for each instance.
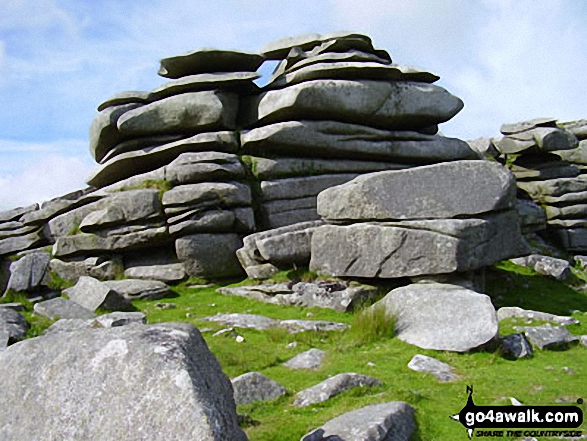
(62, 308)
(508, 312)
(261, 323)
(119, 318)
(351, 70)
(554, 187)
(19, 243)
(301, 187)
(169, 273)
(215, 220)
(240, 82)
(581, 260)
(204, 111)
(577, 155)
(515, 346)
(225, 194)
(412, 248)
(442, 371)
(100, 268)
(387, 105)
(572, 239)
(575, 211)
(15, 213)
(138, 289)
(524, 126)
(29, 273)
(6, 233)
(93, 294)
(548, 337)
(543, 171)
(321, 54)
(311, 359)
(531, 216)
(62, 204)
(253, 386)
(332, 387)
(485, 147)
(208, 60)
(545, 139)
(131, 163)
(127, 97)
(204, 166)
(209, 255)
(104, 133)
(279, 49)
(14, 324)
(433, 191)
(578, 128)
(279, 168)
(159, 379)
(549, 266)
(333, 139)
(330, 295)
(441, 316)
(283, 218)
(393, 421)
(286, 245)
(83, 244)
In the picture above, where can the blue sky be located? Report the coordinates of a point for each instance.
(59, 59)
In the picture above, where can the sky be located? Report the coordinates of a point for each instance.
(508, 60)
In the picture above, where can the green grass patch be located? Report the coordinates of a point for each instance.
(368, 348)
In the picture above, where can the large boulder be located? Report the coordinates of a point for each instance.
(185, 113)
(158, 382)
(434, 191)
(413, 248)
(441, 316)
(384, 104)
(209, 60)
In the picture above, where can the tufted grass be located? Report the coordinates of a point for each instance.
(370, 349)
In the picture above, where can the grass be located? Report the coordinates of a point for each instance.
(369, 348)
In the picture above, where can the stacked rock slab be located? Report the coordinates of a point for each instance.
(539, 153)
(437, 219)
(334, 108)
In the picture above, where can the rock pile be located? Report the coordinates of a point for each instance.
(545, 158)
(334, 108)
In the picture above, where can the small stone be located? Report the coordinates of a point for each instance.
(569, 370)
(516, 346)
(442, 371)
(370, 364)
(166, 305)
(548, 337)
(254, 386)
(311, 359)
(291, 345)
(239, 339)
(332, 387)
(224, 331)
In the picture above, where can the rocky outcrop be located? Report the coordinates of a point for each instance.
(187, 393)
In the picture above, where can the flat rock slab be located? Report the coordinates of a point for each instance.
(254, 386)
(13, 326)
(515, 346)
(311, 359)
(205, 111)
(208, 60)
(441, 316)
(400, 105)
(62, 308)
(261, 323)
(131, 163)
(548, 337)
(340, 140)
(93, 294)
(139, 289)
(240, 82)
(110, 320)
(442, 371)
(159, 379)
(168, 273)
(524, 126)
(545, 139)
(414, 248)
(549, 266)
(392, 421)
(459, 188)
(15, 244)
(29, 272)
(332, 387)
(15, 213)
(507, 312)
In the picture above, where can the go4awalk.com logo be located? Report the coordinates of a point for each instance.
(528, 421)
